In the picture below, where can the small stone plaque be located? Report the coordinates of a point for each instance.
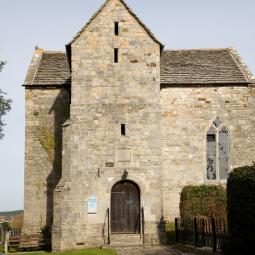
(109, 164)
(124, 155)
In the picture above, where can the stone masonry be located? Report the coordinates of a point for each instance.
(77, 103)
(103, 98)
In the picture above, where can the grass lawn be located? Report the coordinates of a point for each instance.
(74, 252)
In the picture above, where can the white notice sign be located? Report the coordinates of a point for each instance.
(92, 205)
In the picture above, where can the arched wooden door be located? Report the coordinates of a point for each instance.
(125, 208)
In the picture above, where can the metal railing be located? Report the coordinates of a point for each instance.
(142, 223)
(106, 233)
(108, 226)
(202, 232)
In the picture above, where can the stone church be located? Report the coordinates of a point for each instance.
(117, 125)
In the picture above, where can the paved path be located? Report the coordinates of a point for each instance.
(163, 250)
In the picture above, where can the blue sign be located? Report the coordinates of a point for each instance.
(92, 204)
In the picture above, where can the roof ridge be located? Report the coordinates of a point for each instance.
(198, 49)
(129, 10)
(54, 51)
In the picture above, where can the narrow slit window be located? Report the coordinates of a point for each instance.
(116, 55)
(123, 129)
(116, 28)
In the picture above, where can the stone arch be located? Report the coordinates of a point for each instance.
(138, 182)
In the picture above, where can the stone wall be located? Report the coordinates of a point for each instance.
(164, 147)
(46, 110)
(187, 114)
(104, 96)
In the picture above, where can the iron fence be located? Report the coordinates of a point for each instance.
(202, 232)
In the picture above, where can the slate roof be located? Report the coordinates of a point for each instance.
(130, 11)
(178, 67)
(203, 66)
(49, 68)
(53, 69)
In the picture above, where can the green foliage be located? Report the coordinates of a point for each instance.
(6, 225)
(5, 105)
(2, 63)
(47, 140)
(1, 249)
(11, 213)
(241, 208)
(203, 201)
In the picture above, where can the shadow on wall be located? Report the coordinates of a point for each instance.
(61, 111)
(170, 233)
(162, 232)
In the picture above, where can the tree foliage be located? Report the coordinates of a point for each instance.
(241, 208)
(2, 63)
(5, 105)
(17, 221)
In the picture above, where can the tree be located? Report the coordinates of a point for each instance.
(17, 221)
(1, 65)
(5, 105)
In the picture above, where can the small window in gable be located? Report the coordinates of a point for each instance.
(116, 55)
(217, 151)
(116, 28)
(123, 129)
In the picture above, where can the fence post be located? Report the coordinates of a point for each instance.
(214, 235)
(176, 230)
(196, 232)
(203, 232)
(6, 242)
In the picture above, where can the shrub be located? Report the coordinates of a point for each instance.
(203, 201)
(241, 209)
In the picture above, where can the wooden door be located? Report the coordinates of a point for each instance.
(125, 208)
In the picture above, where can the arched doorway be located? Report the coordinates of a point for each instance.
(125, 208)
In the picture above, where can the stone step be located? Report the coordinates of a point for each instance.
(126, 240)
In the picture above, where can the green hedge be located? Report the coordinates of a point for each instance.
(203, 200)
(241, 209)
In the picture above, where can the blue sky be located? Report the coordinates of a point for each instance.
(51, 24)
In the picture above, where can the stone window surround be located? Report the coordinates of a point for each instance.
(217, 131)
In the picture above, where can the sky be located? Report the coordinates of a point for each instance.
(50, 24)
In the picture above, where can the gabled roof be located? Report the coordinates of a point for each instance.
(130, 11)
(203, 66)
(178, 67)
(48, 68)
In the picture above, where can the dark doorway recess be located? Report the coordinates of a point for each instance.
(125, 208)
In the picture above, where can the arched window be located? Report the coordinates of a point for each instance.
(211, 154)
(217, 150)
(223, 153)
